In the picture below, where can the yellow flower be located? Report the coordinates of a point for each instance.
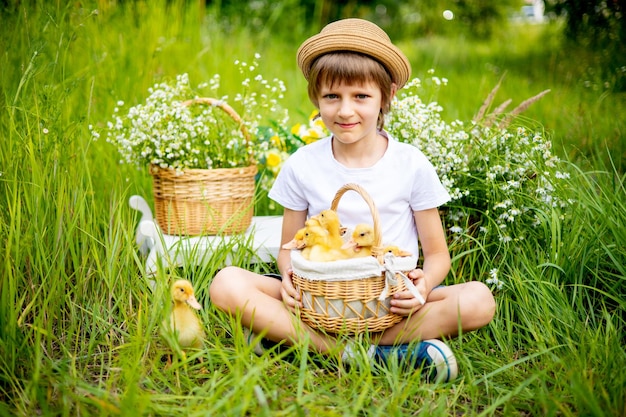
(296, 128)
(319, 123)
(277, 142)
(273, 159)
(311, 136)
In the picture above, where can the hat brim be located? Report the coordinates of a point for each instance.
(386, 53)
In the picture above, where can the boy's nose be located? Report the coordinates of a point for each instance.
(346, 108)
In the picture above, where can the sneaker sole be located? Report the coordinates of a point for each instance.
(443, 360)
(250, 337)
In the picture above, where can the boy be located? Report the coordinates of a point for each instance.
(354, 71)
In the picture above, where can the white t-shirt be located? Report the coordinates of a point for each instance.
(401, 182)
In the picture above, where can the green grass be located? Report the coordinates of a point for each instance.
(79, 321)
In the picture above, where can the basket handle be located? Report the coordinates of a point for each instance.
(224, 106)
(376, 249)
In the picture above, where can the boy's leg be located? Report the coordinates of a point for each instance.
(468, 306)
(257, 299)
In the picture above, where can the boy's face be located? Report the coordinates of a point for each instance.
(350, 111)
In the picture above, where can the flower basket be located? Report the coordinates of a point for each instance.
(205, 201)
(353, 295)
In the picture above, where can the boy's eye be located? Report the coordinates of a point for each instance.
(330, 96)
(362, 96)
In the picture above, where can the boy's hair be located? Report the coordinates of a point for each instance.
(350, 68)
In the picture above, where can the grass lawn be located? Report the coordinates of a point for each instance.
(79, 320)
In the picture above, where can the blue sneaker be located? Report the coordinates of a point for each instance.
(434, 357)
(284, 351)
(250, 337)
(264, 345)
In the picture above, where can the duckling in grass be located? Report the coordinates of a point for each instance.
(183, 321)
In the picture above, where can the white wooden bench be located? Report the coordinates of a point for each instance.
(262, 238)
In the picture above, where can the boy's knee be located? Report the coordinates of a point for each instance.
(218, 290)
(478, 305)
(484, 302)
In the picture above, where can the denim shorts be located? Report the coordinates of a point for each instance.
(275, 276)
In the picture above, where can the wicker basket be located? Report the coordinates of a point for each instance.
(355, 304)
(205, 201)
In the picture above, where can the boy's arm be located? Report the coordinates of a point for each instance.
(434, 247)
(292, 222)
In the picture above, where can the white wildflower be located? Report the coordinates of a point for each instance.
(164, 132)
(493, 279)
(456, 229)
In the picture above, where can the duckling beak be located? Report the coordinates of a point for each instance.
(193, 303)
(351, 244)
(292, 244)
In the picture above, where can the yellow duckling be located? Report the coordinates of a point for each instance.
(313, 221)
(297, 242)
(396, 251)
(329, 220)
(318, 246)
(361, 241)
(183, 322)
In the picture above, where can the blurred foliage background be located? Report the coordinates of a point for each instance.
(78, 320)
(591, 22)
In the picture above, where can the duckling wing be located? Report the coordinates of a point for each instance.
(188, 328)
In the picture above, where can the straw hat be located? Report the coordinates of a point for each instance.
(355, 35)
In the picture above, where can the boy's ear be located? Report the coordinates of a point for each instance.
(394, 89)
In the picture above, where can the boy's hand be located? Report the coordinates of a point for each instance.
(405, 303)
(288, 292)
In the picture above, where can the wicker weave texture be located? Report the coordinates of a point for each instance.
(205, 201)
(350, 306)
(346, 306)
